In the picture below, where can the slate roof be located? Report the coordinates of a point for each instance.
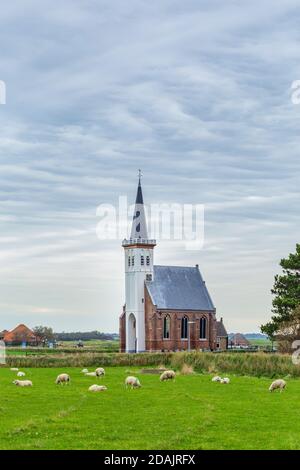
(221, 330)
(179, 288)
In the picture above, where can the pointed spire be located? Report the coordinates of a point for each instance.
(139, 194)
(139, 226)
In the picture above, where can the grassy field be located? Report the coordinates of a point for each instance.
(93, 343)
(262, 343)
(191, 413)
(65, 347)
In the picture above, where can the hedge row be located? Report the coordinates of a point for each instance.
(256, 364)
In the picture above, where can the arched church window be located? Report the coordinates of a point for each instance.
(203, 328)
(184, 328)
(148, 260)
(142, 260)
(167, 324)
(129, 261)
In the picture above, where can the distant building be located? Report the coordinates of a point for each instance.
(20, 335)
(239, 340)
(167, 308)
(222, 336)
(2, 334)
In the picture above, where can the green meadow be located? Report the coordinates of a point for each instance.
(190, 413)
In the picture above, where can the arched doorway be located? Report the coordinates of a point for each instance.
(131, 333)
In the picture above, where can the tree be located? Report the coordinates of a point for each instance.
(286, 290)
(289, 331)
(84, 336)
(45, 333)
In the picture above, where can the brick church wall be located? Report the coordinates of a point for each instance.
(154, 329)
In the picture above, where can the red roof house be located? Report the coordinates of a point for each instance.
(20, 334)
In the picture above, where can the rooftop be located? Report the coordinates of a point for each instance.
(221, 330)
(179, 288)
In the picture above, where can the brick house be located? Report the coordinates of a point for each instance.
(168, 308)
(20, 334)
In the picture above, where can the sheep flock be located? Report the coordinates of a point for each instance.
(130, 381)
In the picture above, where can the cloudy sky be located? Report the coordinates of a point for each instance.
(198, 95)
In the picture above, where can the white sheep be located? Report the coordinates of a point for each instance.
(133, 382)
(225, 380)
(63, 379)
(84, 371)
(100, 371)
(23, 383)
(21, 374)
(14, 369)
(97, 388)
(277, 384)
(91, 374)
(216, 379)
(167, 375)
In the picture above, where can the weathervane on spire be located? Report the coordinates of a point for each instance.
(140, 174)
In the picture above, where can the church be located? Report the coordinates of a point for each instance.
(167, 308)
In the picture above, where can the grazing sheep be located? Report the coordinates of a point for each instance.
(84, 371)
(100, 371)
(133, 382)
(15, 369)
(91, 374)
(225, 380)
(97, 388)
(167, 375)
(277, 384)
(21, 374)
(23, 383)
(216, 379)
(62, 379)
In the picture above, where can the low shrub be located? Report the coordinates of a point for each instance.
(187, 369)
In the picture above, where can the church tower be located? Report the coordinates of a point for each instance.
(138, 269)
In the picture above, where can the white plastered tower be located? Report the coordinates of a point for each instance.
(138, 268)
